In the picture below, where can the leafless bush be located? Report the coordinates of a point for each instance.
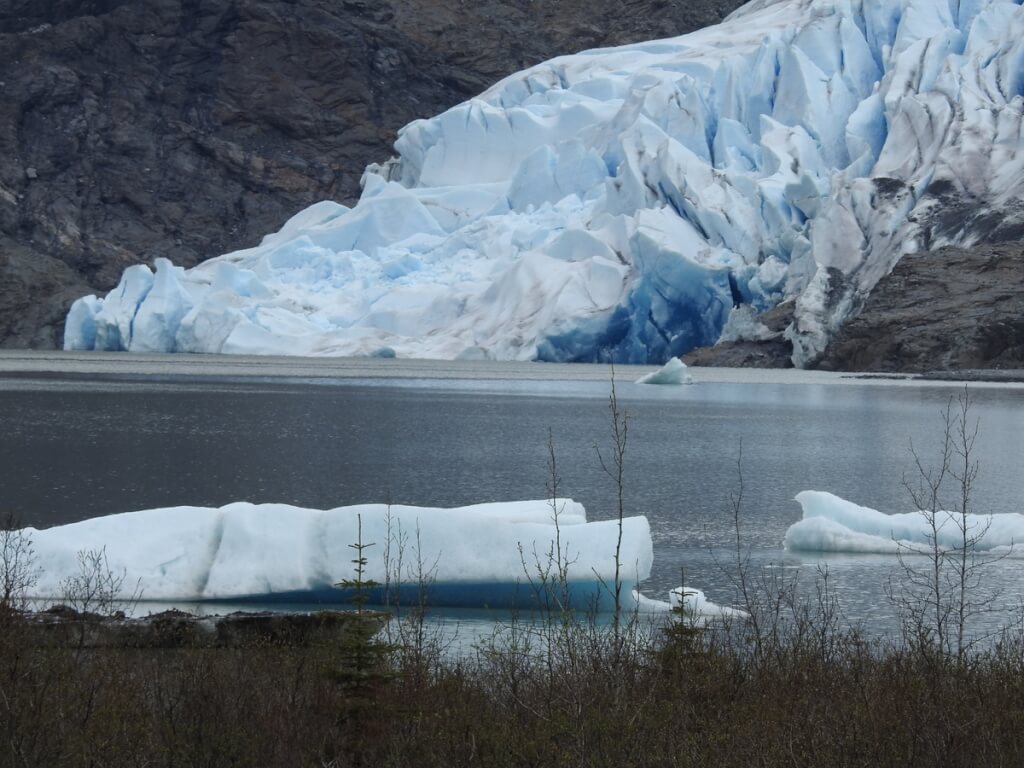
(615, 468)
(938, 589)
(408, 570)
(18, 567)
(97, 588)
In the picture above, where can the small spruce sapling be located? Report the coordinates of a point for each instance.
(360, 585)
(364, 660)
(682, 636)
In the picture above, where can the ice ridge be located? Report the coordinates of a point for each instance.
(619, 204)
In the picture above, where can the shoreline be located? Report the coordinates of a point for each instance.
(47, 364)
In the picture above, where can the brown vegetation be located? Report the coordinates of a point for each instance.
(812, 696)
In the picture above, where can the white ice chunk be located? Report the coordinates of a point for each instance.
(116, 314)
(81, 324)
(160, 312)
(672, 372)
(832, 524)
(696, 607)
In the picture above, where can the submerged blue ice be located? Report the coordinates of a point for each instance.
(621, 204)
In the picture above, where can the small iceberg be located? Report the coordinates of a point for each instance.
(672, 372)
(832, 524)
(488, 555)
(696, 607)
(693, 606)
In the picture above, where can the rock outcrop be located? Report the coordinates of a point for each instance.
(772, 351)
(187, 129)
(948, 309)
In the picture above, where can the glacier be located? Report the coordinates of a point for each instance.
(832, 524)
(504, 556)
(621, 204)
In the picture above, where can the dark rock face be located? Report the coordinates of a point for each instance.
(775, 352)
(948, 309)
(185, 129)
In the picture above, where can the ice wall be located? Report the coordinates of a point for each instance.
(617, 204)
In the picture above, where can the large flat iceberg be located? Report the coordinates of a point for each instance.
(832, 524)
(477, 556)
(617, 204)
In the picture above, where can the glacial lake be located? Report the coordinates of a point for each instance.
(77, 445)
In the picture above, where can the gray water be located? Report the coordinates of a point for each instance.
(74, 448)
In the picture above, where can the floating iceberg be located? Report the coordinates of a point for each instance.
(488, 555)
(691, 605)
(696, 607)
(672, 372)
(617, 204)
(831, 524)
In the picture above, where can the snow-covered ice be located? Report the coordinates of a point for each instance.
(832, 524)
(477, 556)
(617, 204)
(672, 372)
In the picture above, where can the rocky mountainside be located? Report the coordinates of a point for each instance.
(185, 129)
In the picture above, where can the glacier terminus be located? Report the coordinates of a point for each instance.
(621, 204)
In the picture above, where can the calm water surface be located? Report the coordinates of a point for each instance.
(77, 448)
